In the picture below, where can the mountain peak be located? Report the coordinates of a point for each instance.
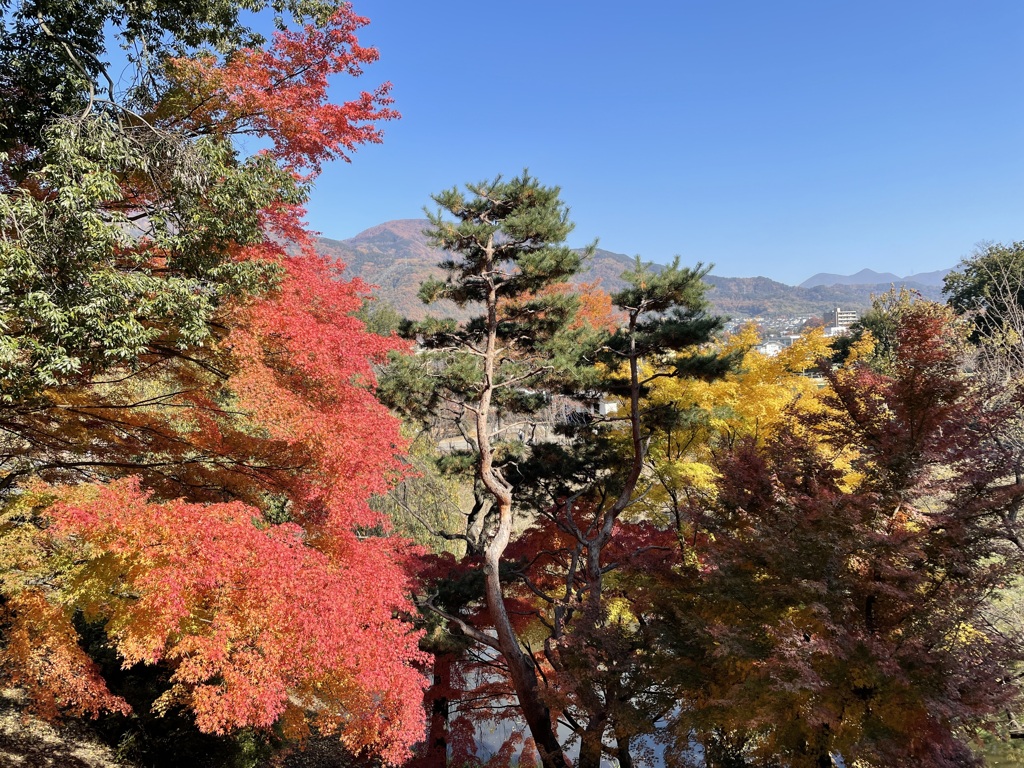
(395, 256)
(864, 277)
(406, 229)
(870, 277)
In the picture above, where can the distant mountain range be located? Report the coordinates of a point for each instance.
(870, 277)
(395, 257)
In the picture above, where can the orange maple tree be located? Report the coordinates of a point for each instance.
(255, 623)
(281, 93)
(258, 618)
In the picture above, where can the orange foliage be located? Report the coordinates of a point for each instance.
(280, 93)
(305, 372)
(252, 620)
(257, 622)
(595, 311)
(43, 657)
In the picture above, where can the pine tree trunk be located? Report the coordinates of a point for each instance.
(520, 668)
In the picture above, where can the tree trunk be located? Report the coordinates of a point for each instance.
(520, 668)
(591, 744)
(436, 699)
(622, 751)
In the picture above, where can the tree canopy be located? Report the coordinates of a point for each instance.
(190, 432)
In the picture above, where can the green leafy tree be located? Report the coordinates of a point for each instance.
(987, 290)
(53, 55)
(98, 272)
(988, 287)
(131, 229)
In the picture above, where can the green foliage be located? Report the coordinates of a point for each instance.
(668, 314)
(988, 290)
(426, 504)
(90, 278)
(988, 287)
(507, 236)
(507, 257)
(52, 52)
(380, 317)
(506, 239)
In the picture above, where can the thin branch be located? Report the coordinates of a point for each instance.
(467, 629)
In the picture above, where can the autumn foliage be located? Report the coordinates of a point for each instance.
(808, 573)
(255, 623)
(847, 568)
(191, 477)
(298, 376)
(744, 565)
(260, 620)
(281, 93)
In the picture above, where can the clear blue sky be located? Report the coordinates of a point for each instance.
(770, 137)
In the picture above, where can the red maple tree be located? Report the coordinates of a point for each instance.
(205, 504)
(848, 570)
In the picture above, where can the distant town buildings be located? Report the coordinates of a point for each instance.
(780, 332)
(838, 322)
(770, 348)
(840, 318)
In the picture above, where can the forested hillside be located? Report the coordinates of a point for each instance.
(396, 256)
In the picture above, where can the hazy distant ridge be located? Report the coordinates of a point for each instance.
(870, 277)
(395, 257)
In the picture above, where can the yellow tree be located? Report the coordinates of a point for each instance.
(699, 417)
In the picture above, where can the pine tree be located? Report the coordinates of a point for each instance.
(666, 327)
(505, 241)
